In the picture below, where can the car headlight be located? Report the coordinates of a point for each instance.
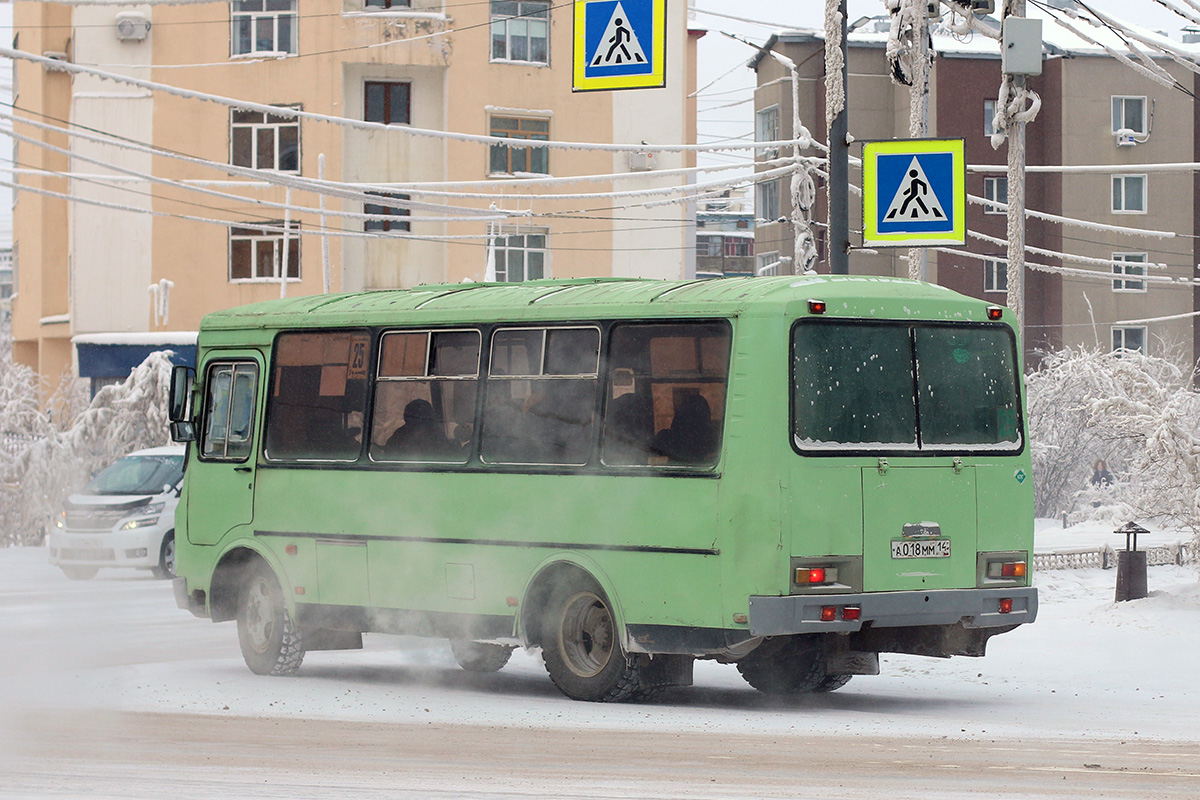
(61, 521)
(148, 516)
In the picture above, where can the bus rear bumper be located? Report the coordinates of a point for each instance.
(972, 608)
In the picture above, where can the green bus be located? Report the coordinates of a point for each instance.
(789, 474)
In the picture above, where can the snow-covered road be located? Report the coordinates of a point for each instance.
(108, 690)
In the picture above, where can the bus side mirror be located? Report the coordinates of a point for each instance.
(183, 431)
(182, 428)
(181, 389)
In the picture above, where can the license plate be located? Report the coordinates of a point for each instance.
(87, 544)
(920, 548)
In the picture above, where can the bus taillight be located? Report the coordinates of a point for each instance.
(815, 576)
(816, 306)
(1007, 569)
(833, 613)
(994, 313)
(1006, 605)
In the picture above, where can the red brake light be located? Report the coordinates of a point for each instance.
(1006, 605)
(993, 312)
(816, 306)
(816, 575)
(851, 612)
(828, 613)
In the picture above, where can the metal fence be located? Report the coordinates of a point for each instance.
(1105, 557)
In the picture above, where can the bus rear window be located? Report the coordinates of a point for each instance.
(895, 387)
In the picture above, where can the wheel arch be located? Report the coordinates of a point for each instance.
(227, 578)
(551, 573)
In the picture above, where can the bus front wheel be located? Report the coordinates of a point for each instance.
(582, 649)
(271, 642)
(791, 665)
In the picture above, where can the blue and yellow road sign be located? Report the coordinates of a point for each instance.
(914, 193)
(620, 44)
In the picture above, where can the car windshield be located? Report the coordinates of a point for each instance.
(137, 475)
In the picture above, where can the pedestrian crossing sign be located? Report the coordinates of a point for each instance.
(620, 44)
(914, 193)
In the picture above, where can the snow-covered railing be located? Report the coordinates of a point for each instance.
(1105, 557)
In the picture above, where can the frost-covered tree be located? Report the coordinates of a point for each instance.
(1139, 413)
(43, 462)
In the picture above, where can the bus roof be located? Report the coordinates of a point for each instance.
(856, 296)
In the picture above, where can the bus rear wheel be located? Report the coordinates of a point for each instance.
(581, 647)
(271, 642)
(480, 656)
(792, 665)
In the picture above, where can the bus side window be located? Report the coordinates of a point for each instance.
(318, 395)
(425, 396)
(666, 403)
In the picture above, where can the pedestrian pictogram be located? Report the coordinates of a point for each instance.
(913, 200)
(622, 45)
(914, 193)
(619, 44)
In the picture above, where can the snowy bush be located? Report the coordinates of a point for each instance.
(1139, 413)
(42, 462)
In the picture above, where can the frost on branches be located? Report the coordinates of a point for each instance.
(42, 462)
(1136, 412)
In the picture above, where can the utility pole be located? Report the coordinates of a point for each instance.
(839, 128)
(918, 111)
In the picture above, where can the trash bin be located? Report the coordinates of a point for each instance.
(1131, 564)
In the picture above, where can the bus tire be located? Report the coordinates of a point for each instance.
(791, 665)
(832, 683)
(165, 568)
(271, 642)
(581, 646)
(480, 656)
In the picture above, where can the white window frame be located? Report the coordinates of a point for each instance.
(766, 129)
(995, 275)
(1126, 265)
(254, 12)
(271, 124)
(1119, 192)
(766, 197)
(506, 245)
(989, 116)
(1120, 113)
(275, 238)
(991, 187)
(1120, 334)
(709, 245)
(767, 263)
(509, 26)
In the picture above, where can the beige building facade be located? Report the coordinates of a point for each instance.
(198, 205)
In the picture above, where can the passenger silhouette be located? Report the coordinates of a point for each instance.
(421, 435)
(692, 437)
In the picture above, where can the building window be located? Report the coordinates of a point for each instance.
(6, 282)
(766, 129)
(393, 217)
(1129, 194)
(264, 141)
(995, 275)
(995, 190)
(386, 102)
(766, 200)
(1129, 113)
(521, 31)
(767, 263)
(708, 246)
(737, 246)
(989, 117)
(520, 257)
(263, 26)
(1129, 265)
(1133, 339)
(257, 255)
(505, 159)
(370, 4)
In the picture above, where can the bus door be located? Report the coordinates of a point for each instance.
(223, 471)
(919, 527)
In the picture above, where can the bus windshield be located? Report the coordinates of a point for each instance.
(896, 387)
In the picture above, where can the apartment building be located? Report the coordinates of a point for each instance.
(1095, 112)
(122, 246)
